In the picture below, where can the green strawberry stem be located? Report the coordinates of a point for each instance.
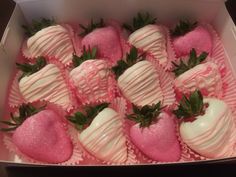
(87, 55)
(25, 111)
(37, 26)
(29, 69)
(191, 107)
(82, 120)
(145, 115)
(131, 58)
(92, 26)
(183, 27)
(193, 61)
(140, 21)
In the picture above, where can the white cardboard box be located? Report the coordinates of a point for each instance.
(213, 11)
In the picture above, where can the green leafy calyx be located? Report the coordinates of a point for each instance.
(193, 61)
(131, 58)
(37, 26)
(25, 111)
(145, 115)
(140, 21)
(92, 26)
(87, 55)
(82, 120)
(183, 27)
(190, 107)
(29, 69)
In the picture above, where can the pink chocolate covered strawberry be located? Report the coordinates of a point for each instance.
(139, 81)
(40, 134)
(42, 81)
(102, 133)
(207, 125)
(92, 78)
(195, 74)
(154, 134)
(187, 35)
(104, 38)
(48, 39)
(148, 37)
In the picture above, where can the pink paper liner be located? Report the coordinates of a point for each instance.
(119, 104)
(76, 156)
(26, 53)
(170, 50)
(166, 83)
(16, 98)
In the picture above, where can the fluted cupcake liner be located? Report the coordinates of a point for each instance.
(119, 104)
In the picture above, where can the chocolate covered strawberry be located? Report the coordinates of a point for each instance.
(148, 36)
(102, 133)
(49, 39)
(207, 125)
(42, 81)
(197, 74)
(155, 133)
(40, 134)
(138, 79)
(104, 38)
(188, 35)
(92, 78)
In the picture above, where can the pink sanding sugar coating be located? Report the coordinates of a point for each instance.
(200, 39)
(107, 41)
(159, 141)
(43, 137)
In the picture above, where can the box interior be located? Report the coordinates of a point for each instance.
(213, 11)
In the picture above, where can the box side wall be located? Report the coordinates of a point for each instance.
(225, 27)
(77, 10)
(121, 10)
(9, 49)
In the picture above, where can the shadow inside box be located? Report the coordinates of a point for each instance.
(224, 168)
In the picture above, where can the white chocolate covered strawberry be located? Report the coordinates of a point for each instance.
(104, 136)
(187, 35)
(92, 78)
(49, 40)
(42, 81)
(155, 133)
(148, 37)
(196, 75)
(138, 80)
(40, 134)
(208, 126)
